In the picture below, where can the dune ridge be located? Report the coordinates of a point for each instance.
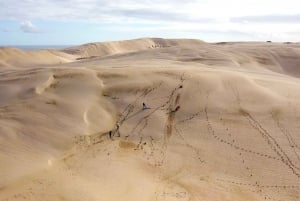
(120, 47)
(278, 57)
(15, 57)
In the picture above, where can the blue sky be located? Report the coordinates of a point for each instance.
(72, 22)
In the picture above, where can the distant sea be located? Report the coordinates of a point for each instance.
(38, 47)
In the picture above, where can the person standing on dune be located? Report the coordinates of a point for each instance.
(145, 106)
(112, 133)
(117, 130)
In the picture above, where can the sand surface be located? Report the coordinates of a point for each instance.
(222, 123)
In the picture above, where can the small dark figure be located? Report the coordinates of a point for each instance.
(110, 134)
(144, 106)
(117, 130)
(176, 109)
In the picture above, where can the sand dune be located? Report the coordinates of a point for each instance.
(16, 57)
(222, 123)
(127, 46)
(277, 57)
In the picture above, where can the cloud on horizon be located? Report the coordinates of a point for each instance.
(28, 27)
(293, 19)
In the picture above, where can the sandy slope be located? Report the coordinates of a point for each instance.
(15, 57)
(126, 46)
(223, 124)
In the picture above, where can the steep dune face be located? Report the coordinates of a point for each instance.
(289, 60)
(216, 128)
(281, 58)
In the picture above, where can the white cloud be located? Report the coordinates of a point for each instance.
(28, 27)
(255, 17)
(285, 19)
(117, 10)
